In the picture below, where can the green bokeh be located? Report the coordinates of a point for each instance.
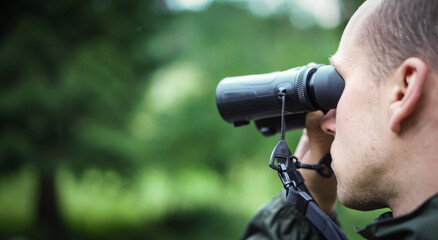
(114, 102)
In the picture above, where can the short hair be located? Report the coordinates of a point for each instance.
(399, 29)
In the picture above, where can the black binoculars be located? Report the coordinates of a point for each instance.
(256, 97)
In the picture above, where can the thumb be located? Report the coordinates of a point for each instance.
(319, 141)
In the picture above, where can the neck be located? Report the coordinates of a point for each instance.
(407, 204)
(414, 179)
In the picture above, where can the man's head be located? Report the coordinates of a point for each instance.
(387, 56)
(397, 30)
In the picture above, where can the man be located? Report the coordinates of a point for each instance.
(383, 134)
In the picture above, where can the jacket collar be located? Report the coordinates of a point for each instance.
(422, 223)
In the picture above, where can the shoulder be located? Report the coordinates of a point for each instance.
(279, 220)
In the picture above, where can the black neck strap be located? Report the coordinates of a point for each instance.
(297, 193)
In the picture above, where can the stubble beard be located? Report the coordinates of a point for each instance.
(361, 192)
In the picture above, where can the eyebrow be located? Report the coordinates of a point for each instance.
(332, 61)
(334, 64)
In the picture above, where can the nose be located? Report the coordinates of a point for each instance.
(328, 123)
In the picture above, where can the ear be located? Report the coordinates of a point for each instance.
(410, 78)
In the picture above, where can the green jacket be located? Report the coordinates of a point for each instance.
(422, 223)
(279, 220)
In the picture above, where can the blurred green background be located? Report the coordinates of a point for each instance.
(109, 128)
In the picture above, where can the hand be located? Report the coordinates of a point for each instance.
(313, 145)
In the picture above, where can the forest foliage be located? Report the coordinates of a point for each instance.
(109, 124)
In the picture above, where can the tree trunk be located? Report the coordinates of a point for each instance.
(49, 220)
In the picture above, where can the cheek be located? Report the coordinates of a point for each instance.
(348, 110)
(351, 119)
(357, 126)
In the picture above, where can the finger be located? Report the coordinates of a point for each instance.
(319, 141)
(303, 146)
(313, 126)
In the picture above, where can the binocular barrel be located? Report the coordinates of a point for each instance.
(256, 97)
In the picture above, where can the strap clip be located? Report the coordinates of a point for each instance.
(300, 199)
(281, 154)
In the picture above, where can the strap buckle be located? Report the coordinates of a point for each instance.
(285, 179)
(300, 200)
(281, 154)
